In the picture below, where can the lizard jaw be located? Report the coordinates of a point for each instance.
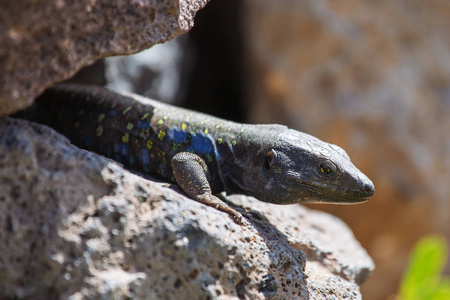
(317, 194)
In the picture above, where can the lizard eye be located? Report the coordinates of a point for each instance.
(271, 159)
(327, 168)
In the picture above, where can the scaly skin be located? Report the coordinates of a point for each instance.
(203, 154)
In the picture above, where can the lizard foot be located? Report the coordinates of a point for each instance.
(218, 204)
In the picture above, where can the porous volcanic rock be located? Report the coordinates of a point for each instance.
(47, 41)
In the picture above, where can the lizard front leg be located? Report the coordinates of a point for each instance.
(191, 174)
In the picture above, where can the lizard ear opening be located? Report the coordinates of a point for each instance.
(271, 159)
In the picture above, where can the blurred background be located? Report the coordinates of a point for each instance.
(370, 76)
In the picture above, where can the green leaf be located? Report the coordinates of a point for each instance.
(443, 291)
(422, 280)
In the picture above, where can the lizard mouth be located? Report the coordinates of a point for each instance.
(319, 195)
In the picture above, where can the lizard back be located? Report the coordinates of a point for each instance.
(139, 133)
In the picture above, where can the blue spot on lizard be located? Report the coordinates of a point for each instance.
(87, 141)
(143, 124)
(144, 156)
(201, 144)
(177, 136)
(111, 113)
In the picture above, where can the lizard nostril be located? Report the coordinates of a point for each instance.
(369, 188)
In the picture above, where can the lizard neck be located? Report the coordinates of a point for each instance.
(236, 164)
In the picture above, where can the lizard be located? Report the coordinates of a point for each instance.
(203, 154)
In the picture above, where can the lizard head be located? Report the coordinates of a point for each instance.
(296, 167)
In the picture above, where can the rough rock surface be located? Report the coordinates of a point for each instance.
(46, 41)
(374, 78)
(76, 225)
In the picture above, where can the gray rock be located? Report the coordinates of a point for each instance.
(46, 41)
(76, 225)
(154, 73)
